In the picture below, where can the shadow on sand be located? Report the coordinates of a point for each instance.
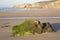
(56, 26)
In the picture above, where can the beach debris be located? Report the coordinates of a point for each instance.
(31, 27)
(5, 25)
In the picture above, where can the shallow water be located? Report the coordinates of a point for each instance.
(8, 9)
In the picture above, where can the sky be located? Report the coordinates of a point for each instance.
(9, 3)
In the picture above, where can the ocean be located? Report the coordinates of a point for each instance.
(12, 9)
(17, 9)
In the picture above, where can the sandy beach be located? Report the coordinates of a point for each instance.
(6, 32)
(32, 13)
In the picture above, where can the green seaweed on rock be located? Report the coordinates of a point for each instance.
(31, 27)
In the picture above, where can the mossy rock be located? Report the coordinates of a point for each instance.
(28, 27)
(31, 27)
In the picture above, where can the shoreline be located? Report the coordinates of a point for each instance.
(31, 13)
(29, 17)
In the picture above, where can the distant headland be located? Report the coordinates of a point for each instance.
(44, 4)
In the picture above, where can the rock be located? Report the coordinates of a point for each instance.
(31, 27)
(37, 28)
(47, 27)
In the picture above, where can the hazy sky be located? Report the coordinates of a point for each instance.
(9, 3)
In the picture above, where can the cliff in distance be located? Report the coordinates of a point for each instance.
(45, 4)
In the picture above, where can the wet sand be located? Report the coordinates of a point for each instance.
(30, 13)
(6, 32)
